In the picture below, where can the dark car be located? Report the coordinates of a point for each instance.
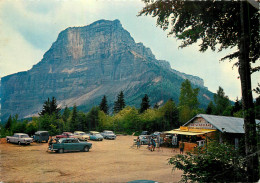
(70, 144)
(41, 136)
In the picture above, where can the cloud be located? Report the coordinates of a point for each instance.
(16, 54)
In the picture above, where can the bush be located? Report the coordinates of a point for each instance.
(216, 163)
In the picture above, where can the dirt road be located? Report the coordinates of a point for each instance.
(107, 161)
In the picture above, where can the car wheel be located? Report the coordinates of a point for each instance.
(19, 143)
(142, 143)
(8, 141)
(86, 149)
(61, 151)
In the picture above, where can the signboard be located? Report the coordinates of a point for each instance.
(200, 123)
(184, 128)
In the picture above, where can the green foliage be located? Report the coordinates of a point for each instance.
(50, 107)
(31, 128)
(105, 122)
(210, 108)
(257, 108)
(216, 163)
(188, 102)
(215, 23)
(74, 122)
(119, 104)
(8, 123)
(127, 120)
(222, 102)
(188, 96)
(145, 103)
(103, 105)
(170, 115)
(92, 118)
(66, 114)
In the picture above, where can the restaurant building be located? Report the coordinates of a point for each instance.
(204, 127)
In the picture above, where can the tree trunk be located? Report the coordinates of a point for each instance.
(247, 98)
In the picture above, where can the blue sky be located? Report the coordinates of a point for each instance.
(29, 27)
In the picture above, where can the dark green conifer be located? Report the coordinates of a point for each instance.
(119, 103)
(145, 103)
(103, 105)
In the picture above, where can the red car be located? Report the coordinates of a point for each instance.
(65, 135)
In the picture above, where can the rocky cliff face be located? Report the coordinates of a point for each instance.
(85, 63)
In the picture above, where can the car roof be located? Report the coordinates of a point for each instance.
(79, 132)
(20, 134)
(41, 132)
(94, 132)
(68, 138)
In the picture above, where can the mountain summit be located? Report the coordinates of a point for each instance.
(85, 63)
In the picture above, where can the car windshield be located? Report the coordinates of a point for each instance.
(109, 133)
(82, 134)
(98, 135)
(24, 136)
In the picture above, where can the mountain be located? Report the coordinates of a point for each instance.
(85, 63)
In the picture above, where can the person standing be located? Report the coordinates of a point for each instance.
(138, 142)
(50, 143)
(181, 147)
(153, 143)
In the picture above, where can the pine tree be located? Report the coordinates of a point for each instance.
(222, 102)
(46, 108)
(145, 103)
(8, 123)
(210, 108)
(54, 107)
(74, 123)
(66, 114)
(50, 107)
(92, 118)
(103, 105)
(120, 103)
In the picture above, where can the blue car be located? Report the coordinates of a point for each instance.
(93, 135)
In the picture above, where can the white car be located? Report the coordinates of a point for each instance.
(81, 135)
(108, 135)
(19, 138)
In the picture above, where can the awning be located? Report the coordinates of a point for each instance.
(197, 132)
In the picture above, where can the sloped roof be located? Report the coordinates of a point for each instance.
(223, 123)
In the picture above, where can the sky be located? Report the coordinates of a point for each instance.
(29, 27)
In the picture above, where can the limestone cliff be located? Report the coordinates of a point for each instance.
(85, 63)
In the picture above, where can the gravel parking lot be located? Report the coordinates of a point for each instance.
(108, 161)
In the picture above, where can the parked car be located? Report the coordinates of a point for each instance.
(144, 133)
(155, 134)
(19, 138)
(65, 135)
(81, 135)
(108, 134)
(41, 136)
(144, 139)
(70, 144)
(93, 135)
